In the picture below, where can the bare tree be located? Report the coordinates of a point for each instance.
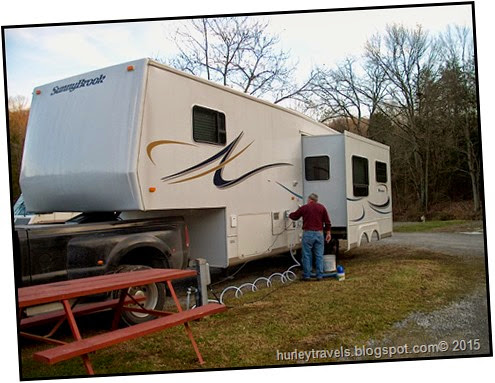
(459, 104)
(193, 54)
(373, 86)
(238, 52)
(349, 92)
(340, 95)
(407, 58)
(18, 118)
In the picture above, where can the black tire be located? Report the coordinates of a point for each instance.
(155, 297)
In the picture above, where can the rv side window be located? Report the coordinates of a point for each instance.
(381, 171)
(360, 179)
(317, 168)
(208, 126)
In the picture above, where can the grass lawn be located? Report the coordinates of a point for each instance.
(380, 289)
(438, 226)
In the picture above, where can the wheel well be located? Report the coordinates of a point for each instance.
(375, 236)
(148, 256)
(364, 236)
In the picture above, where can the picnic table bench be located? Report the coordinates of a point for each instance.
(74, 289)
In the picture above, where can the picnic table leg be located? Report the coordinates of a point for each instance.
(186, 325)
(118, 309)
(60, 322)
(75, 331)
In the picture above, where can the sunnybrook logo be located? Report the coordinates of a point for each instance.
(76, 85)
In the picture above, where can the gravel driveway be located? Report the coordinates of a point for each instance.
(459, 329)
(464, 244)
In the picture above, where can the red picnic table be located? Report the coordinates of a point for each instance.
(64, 291)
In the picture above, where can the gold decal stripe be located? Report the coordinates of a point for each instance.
(222, 164)
(154, 144)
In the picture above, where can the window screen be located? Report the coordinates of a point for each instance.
(381, 171)
(317, 168)
(360, 178)
(208, 126)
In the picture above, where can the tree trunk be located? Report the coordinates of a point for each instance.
(474, 171)
(474, 174)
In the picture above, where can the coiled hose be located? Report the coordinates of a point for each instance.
(286, 276)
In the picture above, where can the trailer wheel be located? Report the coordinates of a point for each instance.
(155, 294)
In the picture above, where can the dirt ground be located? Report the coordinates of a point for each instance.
(459, 329)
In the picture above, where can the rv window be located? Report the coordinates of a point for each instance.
(381, 171)
(360, 179)
(208, 126)
(317, 168)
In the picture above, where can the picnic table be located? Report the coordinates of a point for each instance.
(67, 291)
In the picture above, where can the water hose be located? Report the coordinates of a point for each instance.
(286, 276)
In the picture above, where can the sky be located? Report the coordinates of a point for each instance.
(41, 55)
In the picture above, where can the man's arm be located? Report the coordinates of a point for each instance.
(327, 225)
(296, 214)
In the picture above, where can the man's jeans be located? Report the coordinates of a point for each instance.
(312, 243)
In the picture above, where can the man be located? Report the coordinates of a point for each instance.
(315, 222)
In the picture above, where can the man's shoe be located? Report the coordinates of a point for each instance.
(306, 279)
(319, 279)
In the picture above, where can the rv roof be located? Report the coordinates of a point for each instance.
(367, 140)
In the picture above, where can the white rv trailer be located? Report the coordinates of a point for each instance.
(147, 140)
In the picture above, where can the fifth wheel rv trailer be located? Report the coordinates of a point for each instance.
(146, 140)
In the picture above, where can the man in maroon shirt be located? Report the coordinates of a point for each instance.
(315, 222)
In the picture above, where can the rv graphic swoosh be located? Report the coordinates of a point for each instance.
(222, 164)
(290, 191)
(205, 162)
(218, 179)
(154, 144)
(355, 199)
(360, 218)
(379, 211)
(221, 183)
(381, 206)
